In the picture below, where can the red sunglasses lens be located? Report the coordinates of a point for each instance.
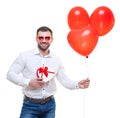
(40, 38)
(47, 38)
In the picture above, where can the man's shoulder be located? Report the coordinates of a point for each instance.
(56, 57)
(27, 52)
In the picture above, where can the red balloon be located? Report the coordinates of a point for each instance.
(102, 19)
(84, 40)
(78, 18)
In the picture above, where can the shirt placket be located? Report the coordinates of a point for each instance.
(43, 88)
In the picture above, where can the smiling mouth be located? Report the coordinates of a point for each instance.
(44, 44)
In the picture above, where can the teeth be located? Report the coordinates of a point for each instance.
(44, 44)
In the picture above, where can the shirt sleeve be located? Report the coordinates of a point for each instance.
(14, 71)
(65, 80)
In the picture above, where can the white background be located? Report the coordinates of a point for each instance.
(19, 20)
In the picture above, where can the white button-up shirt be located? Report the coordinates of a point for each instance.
(24, 69)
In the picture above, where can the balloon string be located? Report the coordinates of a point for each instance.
(86, 67)
(84, 92)
(84, 104)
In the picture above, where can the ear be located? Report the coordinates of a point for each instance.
(36, 39)
(52, 39)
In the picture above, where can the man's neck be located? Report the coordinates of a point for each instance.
(44, 53)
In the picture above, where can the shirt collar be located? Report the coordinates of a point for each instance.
(36, 52)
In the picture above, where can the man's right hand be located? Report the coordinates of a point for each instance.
(36, 83)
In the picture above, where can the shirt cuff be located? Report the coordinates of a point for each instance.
(77, 86)
(26, 82)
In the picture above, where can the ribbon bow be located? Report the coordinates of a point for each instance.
(43, 70)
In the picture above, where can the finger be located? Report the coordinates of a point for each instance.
(82, 81)
(40, 79)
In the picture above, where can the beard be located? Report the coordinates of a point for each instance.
(43, 46)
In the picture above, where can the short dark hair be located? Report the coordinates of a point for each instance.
(44, 29)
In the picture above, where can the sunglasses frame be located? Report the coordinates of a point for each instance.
(41, 38)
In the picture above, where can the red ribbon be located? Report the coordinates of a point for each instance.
(43, 70)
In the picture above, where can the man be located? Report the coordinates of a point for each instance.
(39, 68)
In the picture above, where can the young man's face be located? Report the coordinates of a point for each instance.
(44, 39)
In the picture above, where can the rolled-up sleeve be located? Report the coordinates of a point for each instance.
(65, 80)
